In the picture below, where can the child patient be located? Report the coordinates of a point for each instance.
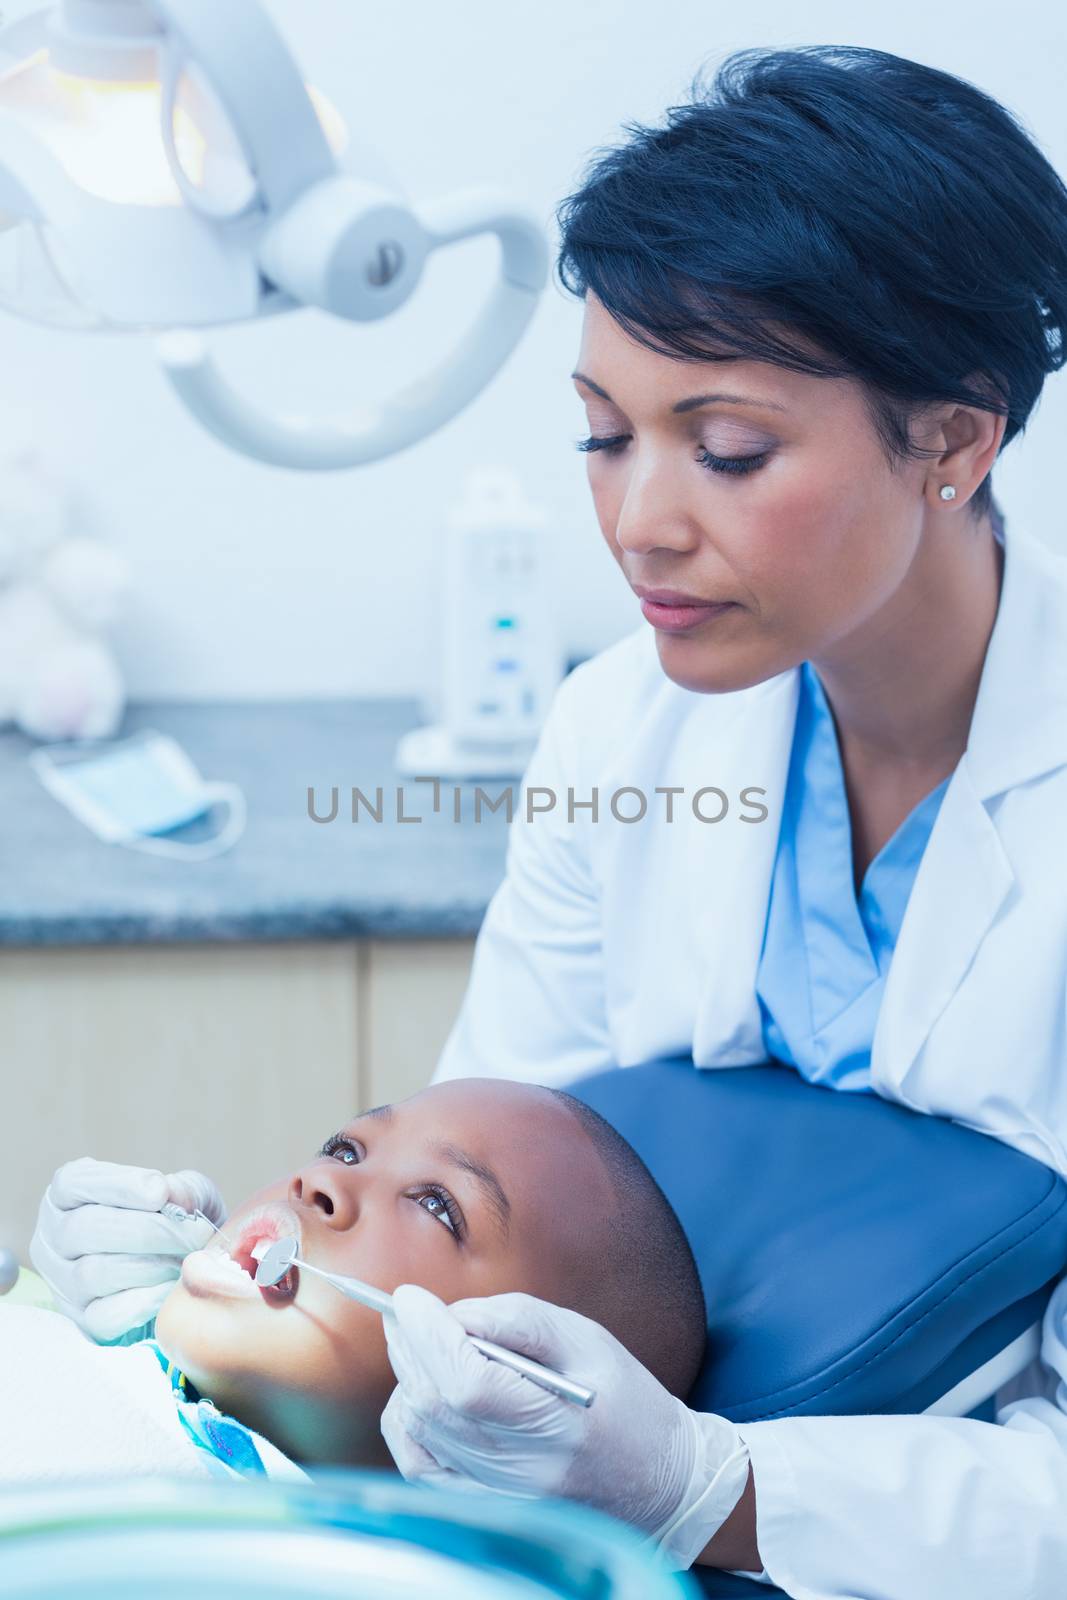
(473, 1187)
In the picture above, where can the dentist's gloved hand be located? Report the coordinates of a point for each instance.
(103, 1248)
(460, 1420)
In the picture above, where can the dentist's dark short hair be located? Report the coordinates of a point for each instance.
(898, 218)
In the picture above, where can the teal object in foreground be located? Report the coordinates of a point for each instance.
(348, 1536)
(826, 952)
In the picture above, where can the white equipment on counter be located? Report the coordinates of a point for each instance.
(502, 662)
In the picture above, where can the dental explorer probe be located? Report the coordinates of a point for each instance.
(282, 1255)
(176, 1213)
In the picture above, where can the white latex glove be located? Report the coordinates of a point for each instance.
(103, 1248)
(460, 1420)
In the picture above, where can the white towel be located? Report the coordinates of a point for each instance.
(71, 1409)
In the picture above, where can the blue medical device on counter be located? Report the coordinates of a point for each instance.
(855, 1256)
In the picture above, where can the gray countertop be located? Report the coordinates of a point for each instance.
(287, 877)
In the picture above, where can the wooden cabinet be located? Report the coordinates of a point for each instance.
(238, 1059)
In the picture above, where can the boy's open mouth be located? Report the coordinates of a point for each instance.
(257, 1233)
(231, 1272)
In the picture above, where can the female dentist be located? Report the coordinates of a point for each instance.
(812, 809)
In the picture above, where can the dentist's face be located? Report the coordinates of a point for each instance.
(778, 501)
(468, 1188)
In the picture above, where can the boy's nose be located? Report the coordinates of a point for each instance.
(328, 1190)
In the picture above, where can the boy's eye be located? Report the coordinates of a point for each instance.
(342, 1148)
(438, 1202)
(438, 1206)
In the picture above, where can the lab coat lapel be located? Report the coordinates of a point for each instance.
(1019, 727)
(1018, 731)
(728, 922)
(961, 883)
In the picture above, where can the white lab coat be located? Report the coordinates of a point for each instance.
(613, 942)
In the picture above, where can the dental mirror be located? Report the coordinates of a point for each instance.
(275, 1263)
(283, 1254)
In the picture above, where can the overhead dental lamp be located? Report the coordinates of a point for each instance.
(164, 169)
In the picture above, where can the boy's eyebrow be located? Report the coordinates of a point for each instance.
(379, 1113)
(484, 1176)
(487, 1180)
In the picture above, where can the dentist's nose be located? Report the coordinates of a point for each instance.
(652, 515)
(327, 1188)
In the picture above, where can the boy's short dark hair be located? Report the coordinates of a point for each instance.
(646, 1288)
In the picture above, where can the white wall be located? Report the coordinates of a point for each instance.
(260, 582)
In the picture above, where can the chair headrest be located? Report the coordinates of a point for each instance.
(855, 1256)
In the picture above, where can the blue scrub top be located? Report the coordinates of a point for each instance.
(825, 955)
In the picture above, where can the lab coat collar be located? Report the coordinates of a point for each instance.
(1018, 731)
(1019, 723)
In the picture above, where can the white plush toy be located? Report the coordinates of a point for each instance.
(58, 680)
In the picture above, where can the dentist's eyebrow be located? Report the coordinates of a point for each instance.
(694, 400)
(486, 1179)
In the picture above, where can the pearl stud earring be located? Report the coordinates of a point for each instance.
(948, 492)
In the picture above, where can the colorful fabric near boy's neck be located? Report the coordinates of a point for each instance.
(181, 1384)
(235, 1451)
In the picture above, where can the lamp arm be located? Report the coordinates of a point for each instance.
(414, 412)
(246, 60)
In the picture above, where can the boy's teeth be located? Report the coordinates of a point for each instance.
(260, 1248)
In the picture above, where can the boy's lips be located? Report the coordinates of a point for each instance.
(231, 1273)
(269, 1222)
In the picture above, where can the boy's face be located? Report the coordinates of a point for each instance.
(470, 1188)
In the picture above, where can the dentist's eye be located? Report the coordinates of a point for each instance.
(339, 1145)
(440, 1204)
(614, 441)
(737, 465)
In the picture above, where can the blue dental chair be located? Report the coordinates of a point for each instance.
(855, 1256)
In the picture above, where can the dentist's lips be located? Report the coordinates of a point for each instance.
(673, 612)
(231, 1273)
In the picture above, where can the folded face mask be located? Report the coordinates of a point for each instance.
(130, 790)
